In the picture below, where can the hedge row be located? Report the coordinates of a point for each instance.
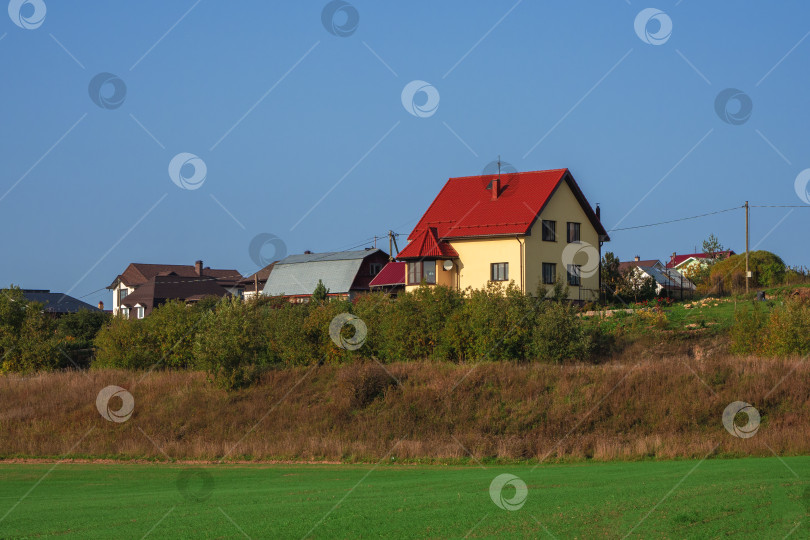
(31, 340)
(233, 340)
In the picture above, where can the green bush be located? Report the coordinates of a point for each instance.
(748, 330)
(785, 332)
(728, 275)
(559, 334)
(28, 339)
(493, 324)
(126, 344)
(172, 328)
(789, 329)
(230, 345)
(235, 340)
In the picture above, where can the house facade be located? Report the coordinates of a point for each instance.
(683, 261)
(164, 287)
(345, 273)
(533, 228)
(137, 274)
(668, 281)
(253, 284)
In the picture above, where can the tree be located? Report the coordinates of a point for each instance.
(768, 270)
(612, 279)
(321, 293)
(27, 338)
(639, 286)
(712, 247)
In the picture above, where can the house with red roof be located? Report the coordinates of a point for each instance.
(531, 228)
(687, 259)
(391, 278)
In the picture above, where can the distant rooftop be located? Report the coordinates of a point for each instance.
(57, 302)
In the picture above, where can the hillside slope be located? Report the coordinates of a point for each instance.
(636, 408)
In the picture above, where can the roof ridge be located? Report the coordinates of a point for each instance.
(511, 173)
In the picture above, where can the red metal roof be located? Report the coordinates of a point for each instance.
(392, 273)
(464, 207)
(426, 243)
(675, 260)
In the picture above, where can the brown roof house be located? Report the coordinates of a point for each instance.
(162, 282)
(253, 284)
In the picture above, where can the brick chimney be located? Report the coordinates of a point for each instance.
(636, 258)
(198, 268)
(496, 188)
(101, 305)
(307, 252)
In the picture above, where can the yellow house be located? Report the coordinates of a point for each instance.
(533, 228)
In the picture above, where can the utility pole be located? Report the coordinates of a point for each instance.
(390, 246)
(747, 272)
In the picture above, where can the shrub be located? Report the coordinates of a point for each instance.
(283, 327)
(373, 309)
(728, 275)
(493, 324)
(122, 343)
(230, 346)
(172, 328)
(28, 339)
(789, 329)
(747, 331)
(415, 323)
(364, 383)
(559, 334)
(77, 333)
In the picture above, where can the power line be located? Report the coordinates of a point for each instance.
(676, 220)
(780, 206)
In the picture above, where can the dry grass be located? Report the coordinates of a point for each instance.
(639, 407)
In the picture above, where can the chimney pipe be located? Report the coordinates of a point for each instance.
(198, 267)
(496, 187)
(598, 212)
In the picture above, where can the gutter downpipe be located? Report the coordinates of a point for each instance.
(522, 272)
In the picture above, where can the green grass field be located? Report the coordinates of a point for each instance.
(746, 498)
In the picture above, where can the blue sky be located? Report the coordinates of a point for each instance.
(304, 135)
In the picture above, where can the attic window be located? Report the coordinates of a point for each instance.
(573, 232)
(549, 230)
(374, 268)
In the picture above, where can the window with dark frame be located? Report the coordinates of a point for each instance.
(549, 230)
(122, 293)
(375, 268)
(419, 270)
(499, 272)
(573, 232)
(549, 273)
(414, 273)
(429, 271)
(575, 275)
